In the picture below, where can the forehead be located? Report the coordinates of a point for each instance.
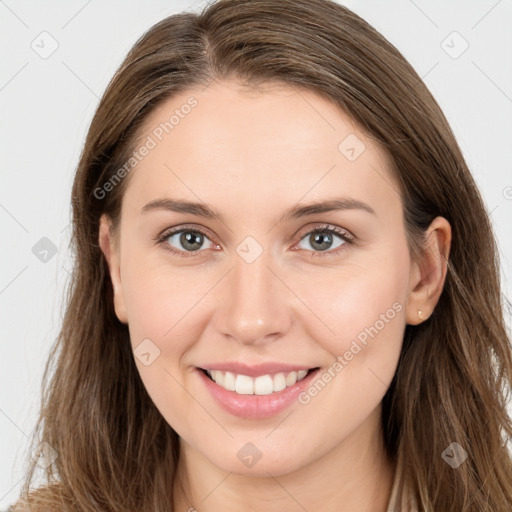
(242, 143)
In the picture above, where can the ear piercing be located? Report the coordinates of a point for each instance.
(420, 314)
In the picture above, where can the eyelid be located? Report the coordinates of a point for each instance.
(167, 232)
(348, 238)
(161, 238)
(342, 232)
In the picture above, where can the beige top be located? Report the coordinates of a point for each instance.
(408, 504)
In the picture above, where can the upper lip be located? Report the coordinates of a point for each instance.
(255, 370)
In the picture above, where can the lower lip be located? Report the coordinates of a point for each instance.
(256, 406)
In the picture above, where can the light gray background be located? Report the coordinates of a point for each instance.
(47, 104)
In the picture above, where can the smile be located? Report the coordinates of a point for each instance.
(261, 385)
(257, 397)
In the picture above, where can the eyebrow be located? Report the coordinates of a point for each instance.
(294, 212)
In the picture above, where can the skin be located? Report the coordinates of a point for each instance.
(251, 154)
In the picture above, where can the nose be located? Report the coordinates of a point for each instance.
(253, 306)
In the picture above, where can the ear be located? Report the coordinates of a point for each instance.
(428, 275)
(110, 249)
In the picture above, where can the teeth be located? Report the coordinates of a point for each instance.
(244, 385)
(262, 385)
(219, 377)
(229, 380)
(291, 379)
(279, 382)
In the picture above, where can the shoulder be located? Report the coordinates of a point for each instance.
(42, 499)
(32, 506)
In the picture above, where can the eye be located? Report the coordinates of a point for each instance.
(187, 240)
(322, 238)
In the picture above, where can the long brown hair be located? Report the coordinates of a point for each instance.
(115, 450)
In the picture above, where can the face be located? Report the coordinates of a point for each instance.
(263, 279)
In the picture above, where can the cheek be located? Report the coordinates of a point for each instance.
(149, 303)
(164, 307)
(160, 300)
(362, 309)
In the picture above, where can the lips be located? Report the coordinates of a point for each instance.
(254, 406)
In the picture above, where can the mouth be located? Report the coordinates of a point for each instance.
(258, 397)
(261, 385)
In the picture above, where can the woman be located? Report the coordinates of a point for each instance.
(286, 292)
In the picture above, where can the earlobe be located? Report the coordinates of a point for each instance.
(428, 275)
(110, 250)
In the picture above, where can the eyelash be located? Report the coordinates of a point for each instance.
(345, 235)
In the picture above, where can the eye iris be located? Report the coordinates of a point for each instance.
(321, 238)
(191, 240)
